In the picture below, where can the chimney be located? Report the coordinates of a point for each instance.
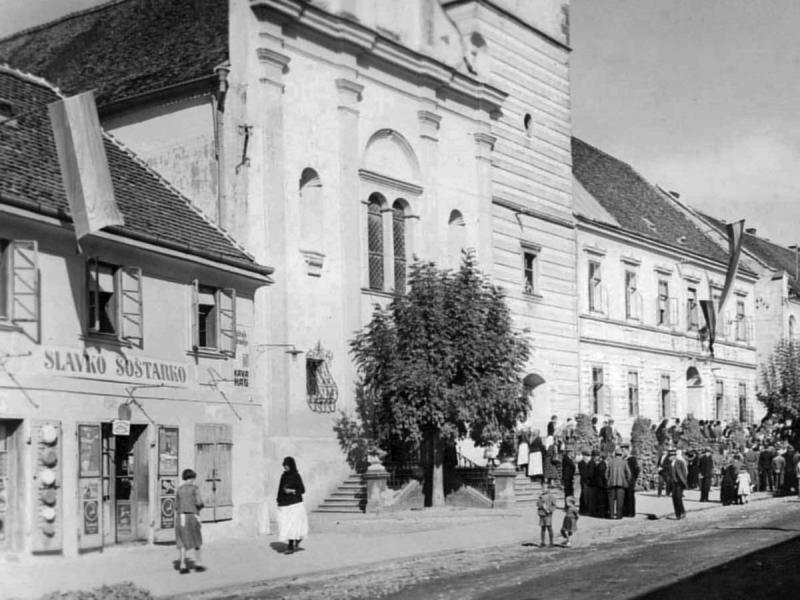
(750, 230)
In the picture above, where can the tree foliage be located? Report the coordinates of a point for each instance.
(443, 359)
(781, 382)
(645, 446)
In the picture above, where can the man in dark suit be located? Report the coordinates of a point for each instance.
(765, 469)
(706, 474)
(568, 475)
(584, 467)
(679, 480)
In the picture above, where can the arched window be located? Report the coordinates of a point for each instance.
(310, 210)
(456, 237)
(399, 235)
(791, 327)
(375, 242)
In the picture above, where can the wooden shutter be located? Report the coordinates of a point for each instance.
(130, 304)
(24, 281)
(195, 308)
(227, 321)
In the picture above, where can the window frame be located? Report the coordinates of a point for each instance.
(597, 385)
(633, 393)
(692, 309)
(719, 400)
(665, 397)
(662, 312)
(225, 320)
(743, 412)
(595, 282)
(530, 273)
(93, 306)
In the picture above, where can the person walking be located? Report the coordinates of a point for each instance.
(678, 480)
(743, 486)
(765, 481)
(188, 535)
(705, 473)
(778, 469)
(728, 493)
(629, 505)
(618, 477)
(292, 517)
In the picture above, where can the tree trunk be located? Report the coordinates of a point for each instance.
(434, 468)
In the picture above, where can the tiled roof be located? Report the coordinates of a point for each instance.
(776, 257)
(125, 47)
(636, 204)
(154, 212)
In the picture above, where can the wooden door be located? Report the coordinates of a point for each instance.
(214, 466)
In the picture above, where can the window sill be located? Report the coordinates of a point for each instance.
(382, 293)
(532, 296)
(209, 353)
(9, 325)
(106, 338)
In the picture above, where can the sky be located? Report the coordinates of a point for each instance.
(699, 96)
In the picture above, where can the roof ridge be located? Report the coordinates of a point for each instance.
(31, 78)
(61, 19)
(160, 178)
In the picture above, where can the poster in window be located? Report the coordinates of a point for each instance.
(91, 513)
(167, 513)
(168, 451)
(89, 450)
(124, 520)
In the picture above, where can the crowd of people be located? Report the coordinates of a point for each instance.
(736, 458)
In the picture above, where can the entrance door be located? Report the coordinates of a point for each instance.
(125, 485)
(10, 488)
(213, 461)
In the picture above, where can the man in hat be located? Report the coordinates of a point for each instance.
(678, 480)
(618, 476)
(705, 473)
(583, 470)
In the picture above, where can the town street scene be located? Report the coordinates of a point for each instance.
(403, 299)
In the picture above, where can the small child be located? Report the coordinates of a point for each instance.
(743, 486)
(544, 508)
(570, 524)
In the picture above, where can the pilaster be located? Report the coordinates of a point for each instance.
(436, 215)
(484, 147)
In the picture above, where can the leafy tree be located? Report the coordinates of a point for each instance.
(585, 437)
(443, 363)
(645, 446)
(781, 385)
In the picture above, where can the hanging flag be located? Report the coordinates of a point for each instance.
(707, 306)
(735, 236)
(84, 166)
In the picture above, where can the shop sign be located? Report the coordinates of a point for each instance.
(120, 427)
(89, 363)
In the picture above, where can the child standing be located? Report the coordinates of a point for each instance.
(544, 508)
(743, 484)
(570, 524)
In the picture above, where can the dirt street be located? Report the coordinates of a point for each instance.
(646, 556)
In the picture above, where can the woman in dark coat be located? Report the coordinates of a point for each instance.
(629, 503)
(292, 517)
(728, 491)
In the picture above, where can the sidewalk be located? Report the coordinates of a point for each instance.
(335, 542)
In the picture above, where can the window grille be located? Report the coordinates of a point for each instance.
(321, 389)
(375, 243)
(399, 234)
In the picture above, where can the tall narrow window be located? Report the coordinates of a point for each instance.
(530, 268)
(662, 314)
(207, 317)
(5, 279)
(633, 393)
(375, 243)
(595, 281)
(399, 234)
(213, 318)
(741, 323)
(692, 309)
(631, 311)
(719, 399)
(665, 397)
(743, 412)
(597, 386)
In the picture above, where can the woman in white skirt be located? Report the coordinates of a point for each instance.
(292, 518)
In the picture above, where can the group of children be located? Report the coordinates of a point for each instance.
(545, 507)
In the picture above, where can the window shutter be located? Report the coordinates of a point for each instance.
(194, 314)
(25, 281)
(227, 321)
(131, 314)
(92, 288)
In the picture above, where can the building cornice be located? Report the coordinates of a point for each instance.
(365, 40)
(390, 182)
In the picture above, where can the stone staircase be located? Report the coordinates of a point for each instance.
(526, 491)
(349, 497)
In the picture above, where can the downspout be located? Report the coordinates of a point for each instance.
(218, 115)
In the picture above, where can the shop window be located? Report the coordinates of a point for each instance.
(19, 281)
(633, 393)
(114, 296)
(214, 467)
(213, 319)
